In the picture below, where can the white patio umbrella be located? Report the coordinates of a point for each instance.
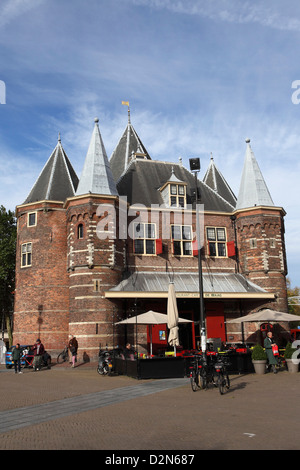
(266, 315)
(172, 312)
(150, 318)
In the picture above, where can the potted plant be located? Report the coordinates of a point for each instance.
(259, 359)
(292, 362)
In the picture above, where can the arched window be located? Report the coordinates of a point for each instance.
(80, 231)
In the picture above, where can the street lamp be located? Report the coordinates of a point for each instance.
(195, 168)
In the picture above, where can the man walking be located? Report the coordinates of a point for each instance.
(16, 357)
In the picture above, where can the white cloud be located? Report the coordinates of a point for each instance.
(233, 11)
(12, 9)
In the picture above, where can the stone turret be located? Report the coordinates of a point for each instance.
(42, 282)
(260, 231)
(95, 253)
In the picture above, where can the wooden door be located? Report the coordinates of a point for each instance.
(215, 326)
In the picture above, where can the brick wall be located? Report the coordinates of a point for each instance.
(42, 289)
(95, 264)
(262, 251)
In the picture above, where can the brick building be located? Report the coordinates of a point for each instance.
(95, 250)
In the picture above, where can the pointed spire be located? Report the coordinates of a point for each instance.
(127, 148)
(173, 178)
(57, 181)
(96, 176)
(253, 189)
(216, 181)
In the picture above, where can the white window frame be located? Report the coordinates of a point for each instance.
(217, 241)
(143, 238)
(26, 255)
(35, 219)
(183, 237)
(176, 195)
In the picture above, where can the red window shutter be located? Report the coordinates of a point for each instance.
(195, 248)
(158, 246)
(231, 249)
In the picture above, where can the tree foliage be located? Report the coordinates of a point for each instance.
(292, 292)
(8, 235)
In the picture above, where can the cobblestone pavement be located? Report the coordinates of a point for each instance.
(76, 409)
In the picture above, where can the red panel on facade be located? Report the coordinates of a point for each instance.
(159, 337)
(195, 248)
(230, 249)
(159, 247)
(215, 321)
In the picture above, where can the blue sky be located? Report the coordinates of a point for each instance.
(200, 76)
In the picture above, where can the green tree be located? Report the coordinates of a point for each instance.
(293, 294)
(8, 236)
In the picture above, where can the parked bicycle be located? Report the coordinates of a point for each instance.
(63, 356)
(195, 368)
(223, 381)
(202, 372)
(281, 363)
(105, 362)
(208, 372)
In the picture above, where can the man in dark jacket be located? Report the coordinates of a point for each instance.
(16, 357)
(268, 346)
(38, 351)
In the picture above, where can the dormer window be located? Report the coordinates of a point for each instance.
(173, 192)
(177, 195)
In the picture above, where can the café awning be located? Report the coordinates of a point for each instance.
(156, 285)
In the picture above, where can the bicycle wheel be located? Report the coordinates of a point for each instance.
(194, 380)
(227, 382)
(215, 378)
(221, 383)
(61, 358)
(203, 379)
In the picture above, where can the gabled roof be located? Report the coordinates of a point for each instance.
(96, 175)
(216, 181)
(57, 181)
(143, 179)
(129, 146)
(253, 189)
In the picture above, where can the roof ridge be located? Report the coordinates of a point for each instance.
(52, 171)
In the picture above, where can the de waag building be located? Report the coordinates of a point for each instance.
(99, 249)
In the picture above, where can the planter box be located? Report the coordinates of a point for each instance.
(260, 366)
(292, 366)
(240, 363)
(155, 368)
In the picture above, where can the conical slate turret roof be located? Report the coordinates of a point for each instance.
(57, 181)
(129, 146)
(216, 181)
(96, 176)
(253, 189)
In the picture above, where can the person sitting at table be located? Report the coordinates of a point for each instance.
(129, 352)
